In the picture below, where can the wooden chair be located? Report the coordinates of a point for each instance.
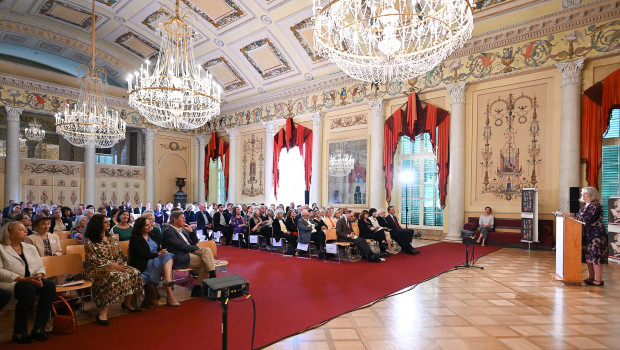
(332, 238)
(124, 248)
(67, 242)
(220, 265)
(63, 234)
(76, 249)
(63, 265)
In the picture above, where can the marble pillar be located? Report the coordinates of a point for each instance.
(270, 131)
(232, 174)
(201, 167)
(456, 179)
(12, 183)
(377, 175)
(89, 175)
(149, 165)
(317, 159)
(195, 170)
(570, 129)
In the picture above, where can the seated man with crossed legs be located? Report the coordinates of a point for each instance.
(181, 240)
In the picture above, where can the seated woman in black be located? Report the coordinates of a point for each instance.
(280, 231)
(368, 231)
(290, 221)
(146, 255)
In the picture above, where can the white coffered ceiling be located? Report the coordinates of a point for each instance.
(250, 46)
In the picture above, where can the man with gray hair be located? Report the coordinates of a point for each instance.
(345, 233)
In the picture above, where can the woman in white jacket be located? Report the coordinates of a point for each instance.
(21, 273)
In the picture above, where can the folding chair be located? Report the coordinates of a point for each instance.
(62, 265)
(67, 242)
(220, 265)
(332, 238)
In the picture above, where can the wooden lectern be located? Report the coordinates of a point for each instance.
(567, 249)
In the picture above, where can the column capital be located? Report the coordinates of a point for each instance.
(571, 71)
(149, 133)
(457, 92)
(233, 133)
(270, 128)
(12, 113)
(317, 119)
(377, 106)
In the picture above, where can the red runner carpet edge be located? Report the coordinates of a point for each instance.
(291, 295)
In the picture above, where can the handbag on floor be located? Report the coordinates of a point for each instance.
(63, 323)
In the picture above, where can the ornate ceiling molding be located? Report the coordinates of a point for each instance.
(50, 35)
(538, 27)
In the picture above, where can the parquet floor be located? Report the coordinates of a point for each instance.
(512, 304)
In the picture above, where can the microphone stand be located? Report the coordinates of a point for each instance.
(406, 209)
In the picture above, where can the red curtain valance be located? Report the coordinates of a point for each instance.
(216, 148)
(596, 108)
(412, 120)
(290, 136)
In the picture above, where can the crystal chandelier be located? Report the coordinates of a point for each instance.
(22, 141)
(174, 94)
(340, 164)
(34, 132)
(385, 40)
(89, 122)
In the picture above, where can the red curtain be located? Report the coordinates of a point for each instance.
(288, 137)
(216, 148)
(596, 109)
(412, 120)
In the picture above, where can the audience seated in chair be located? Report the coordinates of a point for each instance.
(47, 243)
(345, 233)
(280, 231)
(368, 231)
(402, 236)
(180, 240)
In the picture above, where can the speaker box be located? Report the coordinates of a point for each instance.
(574, 195)
(307, 197)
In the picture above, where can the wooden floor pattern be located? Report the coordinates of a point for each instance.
(512, 304)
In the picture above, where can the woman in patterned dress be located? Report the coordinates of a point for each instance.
(105, 266)
(594, 236)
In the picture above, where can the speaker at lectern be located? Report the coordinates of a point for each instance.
(567, 249)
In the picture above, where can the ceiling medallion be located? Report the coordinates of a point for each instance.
(266, 20)
(88, 122)
(308, 76)
(385, 40)
(219, 42)
(175, 94)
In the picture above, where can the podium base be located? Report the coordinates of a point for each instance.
(563, 281)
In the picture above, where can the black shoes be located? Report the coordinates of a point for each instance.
(196, 291)
(374, 258)
(322, 254)
(384, 254)
(413, 251)
(102, 322)
(39, 335)
(212, 274)
(124, 307)
(22, 338)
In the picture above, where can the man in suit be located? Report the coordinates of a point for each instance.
(139, 209)
(305, 228)
(221, 222)
(402, 236)
(228, 209)
(299, 212)
(181, 240)
(345, 233)
(204, 221)
(109, 208)
(7, 210)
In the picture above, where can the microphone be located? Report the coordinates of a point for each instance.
(558, 212)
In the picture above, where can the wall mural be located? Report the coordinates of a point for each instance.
(507, 170)
(585, 42)
(589, 41)
(253, 167)
(47, 188)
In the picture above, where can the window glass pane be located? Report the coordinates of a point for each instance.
(610, 170)
(406, 145)
(614, 125)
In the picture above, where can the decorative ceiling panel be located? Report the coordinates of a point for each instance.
(153, 20)
(304, 34)
(225, 73)
(266, 58)
(219, 13)
(50, 47)
(68, 13)
(137, 45)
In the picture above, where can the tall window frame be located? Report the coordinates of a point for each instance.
(610, 159)
(420, 189)
(221, 183)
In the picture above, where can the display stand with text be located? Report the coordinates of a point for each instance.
(568, 249)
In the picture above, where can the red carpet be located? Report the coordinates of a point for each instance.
(291, 295)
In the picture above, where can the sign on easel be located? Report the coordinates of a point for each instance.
(529, 215)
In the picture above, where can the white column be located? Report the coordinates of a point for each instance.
(201, 168)
(317, 159)
(12, 183)
(456, 179)
(89, 175)
(270, 131)
(149, 165)
(195, 170)
(377, 175)
(570, 129)
(232, 174)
